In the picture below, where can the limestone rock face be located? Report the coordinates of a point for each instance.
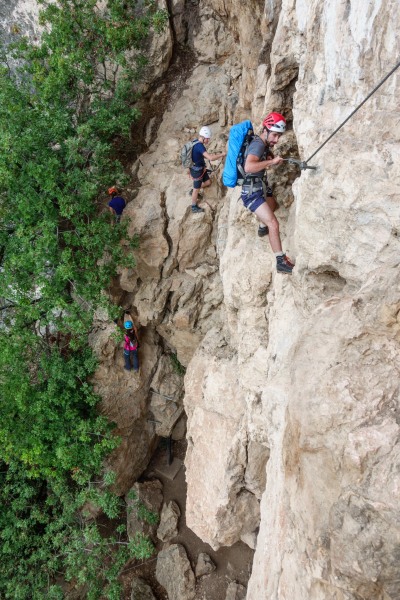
(159, 50)
(331, 391)
(291, 390)
(125, 401)
(18, 16)
(177, 11)
(145, 217)
(219, 507)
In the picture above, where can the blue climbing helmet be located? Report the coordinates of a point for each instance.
(128, 325)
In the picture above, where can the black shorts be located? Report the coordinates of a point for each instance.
(199, 177)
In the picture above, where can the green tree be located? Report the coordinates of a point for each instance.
(67, 104)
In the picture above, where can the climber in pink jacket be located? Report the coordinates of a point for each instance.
(131, 345)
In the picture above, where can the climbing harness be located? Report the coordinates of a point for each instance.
(201, 176)
(253, 184)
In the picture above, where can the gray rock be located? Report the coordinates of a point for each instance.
(256, 473)
(166, 404)
(168, 528)
(142, 498)
(204, 565)
(250, 539)
(175, 574)
(141, 590)
(235, 591)
(179, 430)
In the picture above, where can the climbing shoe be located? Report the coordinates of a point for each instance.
(284, 265)
(262, 230)
(197, 209)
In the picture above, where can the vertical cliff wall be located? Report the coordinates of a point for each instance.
(329, 514)
(304, 370)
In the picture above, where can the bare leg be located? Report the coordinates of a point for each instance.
(195, 195)
(266, 215)
(272, 203)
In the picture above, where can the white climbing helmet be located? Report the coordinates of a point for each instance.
(205, 132)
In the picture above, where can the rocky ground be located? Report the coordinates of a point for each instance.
(232, 564)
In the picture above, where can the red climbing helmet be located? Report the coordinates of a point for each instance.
(112, 190)
(275, 122)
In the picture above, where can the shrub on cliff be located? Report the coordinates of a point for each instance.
(66, 105)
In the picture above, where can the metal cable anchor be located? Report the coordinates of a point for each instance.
(300, 163)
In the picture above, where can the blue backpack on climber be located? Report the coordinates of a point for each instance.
(240, 137)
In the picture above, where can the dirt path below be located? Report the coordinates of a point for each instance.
(233, 563)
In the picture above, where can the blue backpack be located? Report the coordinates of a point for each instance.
(240, 137)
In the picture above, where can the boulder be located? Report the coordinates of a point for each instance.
(168, 528)
(166, 390)
(204, 565)
(235, 591)
(143, 505)
(141, 590)
(175, 574)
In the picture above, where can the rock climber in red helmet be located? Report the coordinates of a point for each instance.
(256, 194)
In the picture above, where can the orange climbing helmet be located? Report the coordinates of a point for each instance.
(112, 190)
(275, 122)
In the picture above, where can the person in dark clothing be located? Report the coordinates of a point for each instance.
(117, 203)
(198, 172)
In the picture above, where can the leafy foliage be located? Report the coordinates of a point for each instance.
(177, 365)
(66, 107)
(143, 513)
